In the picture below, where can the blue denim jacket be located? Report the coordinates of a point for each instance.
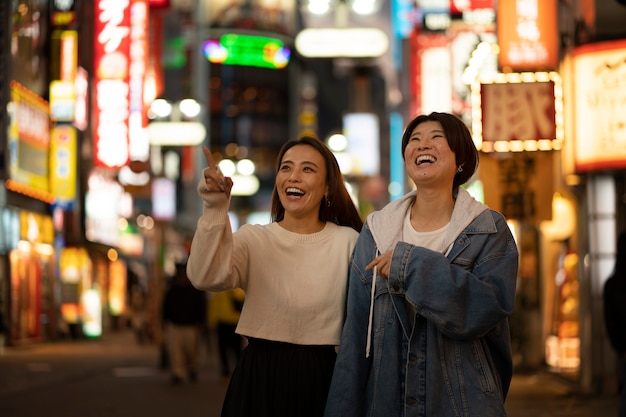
(448, 354)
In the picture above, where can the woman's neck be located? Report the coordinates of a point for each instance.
(302, 226)
(431, 210)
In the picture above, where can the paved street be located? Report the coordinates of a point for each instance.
(115, 377)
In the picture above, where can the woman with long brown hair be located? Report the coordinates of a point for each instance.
(294, 273)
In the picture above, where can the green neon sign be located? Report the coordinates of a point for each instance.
(247, 50)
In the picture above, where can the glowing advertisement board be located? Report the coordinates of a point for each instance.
(600, 106)
(111, 105)
(518, 112)
(247, 50)
(63, 163)
(29, 138)
(528, 34)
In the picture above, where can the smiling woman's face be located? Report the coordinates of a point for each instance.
(428, 157)
(301, 181)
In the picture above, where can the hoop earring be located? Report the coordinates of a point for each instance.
(459, 169)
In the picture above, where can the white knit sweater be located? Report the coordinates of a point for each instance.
(295, 284)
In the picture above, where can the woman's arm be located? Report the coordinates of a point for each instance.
(463, 298)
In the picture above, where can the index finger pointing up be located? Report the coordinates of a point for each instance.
(209, 157)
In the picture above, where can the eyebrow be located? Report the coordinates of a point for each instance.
(432, 131)
(288, 161)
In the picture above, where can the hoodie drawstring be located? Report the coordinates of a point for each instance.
(371, 316)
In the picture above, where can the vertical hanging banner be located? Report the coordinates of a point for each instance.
(527, 34)
(138, 121)
(63, 163)
(29, 138)
(111, 106)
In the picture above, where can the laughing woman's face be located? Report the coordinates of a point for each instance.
(428, 157)
(301, 181)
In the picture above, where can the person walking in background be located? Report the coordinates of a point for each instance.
(294, 274)
(138, 312)
(224, 311)
(614, 296)
(184, 314)
(431, 286)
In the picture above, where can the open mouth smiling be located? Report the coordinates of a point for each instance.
(425, 159)
(294, 192)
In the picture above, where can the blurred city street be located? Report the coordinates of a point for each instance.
(116, 377)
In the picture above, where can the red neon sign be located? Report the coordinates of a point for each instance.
(112, 90)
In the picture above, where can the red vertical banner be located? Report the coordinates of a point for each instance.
(154, 77)
(111, 83)
(425, 68)
(138, 121)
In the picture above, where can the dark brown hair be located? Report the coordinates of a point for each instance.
(459, 139)
(338, 206)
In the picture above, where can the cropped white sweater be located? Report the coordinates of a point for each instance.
(295, 284)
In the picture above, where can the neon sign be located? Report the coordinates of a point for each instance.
(247, 50)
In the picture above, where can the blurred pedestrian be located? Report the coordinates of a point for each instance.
(224, 311)
(184, 314)
(138, 312)
(432, 284)
(615, 315)
(2, 329)
(294, 274)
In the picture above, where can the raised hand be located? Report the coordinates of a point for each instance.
(214, 180)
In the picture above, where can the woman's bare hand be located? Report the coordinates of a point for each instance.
(382, 263)
(214, 180)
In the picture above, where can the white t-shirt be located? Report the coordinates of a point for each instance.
(434, 240)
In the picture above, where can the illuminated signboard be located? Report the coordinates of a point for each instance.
(342, 42)
(518, 112)
(62, 13)
(247, 50)
(139, 147)
(362, 131)
(63, 84)
(430, 69)
(111, 110)
(600, 106)
(29, 138)
(63, 163)
(528, 34)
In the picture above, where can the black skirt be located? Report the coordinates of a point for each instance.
(276, 379)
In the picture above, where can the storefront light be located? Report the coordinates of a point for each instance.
(44, 249)
(23, 246)
(246, 167)
(112, 255)
(160, 108)
(242, 174)
(189, 107)
(244, 185)
(319, 7)
(361, 7)
(227, 167)
(338, 142)
(365, 7)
